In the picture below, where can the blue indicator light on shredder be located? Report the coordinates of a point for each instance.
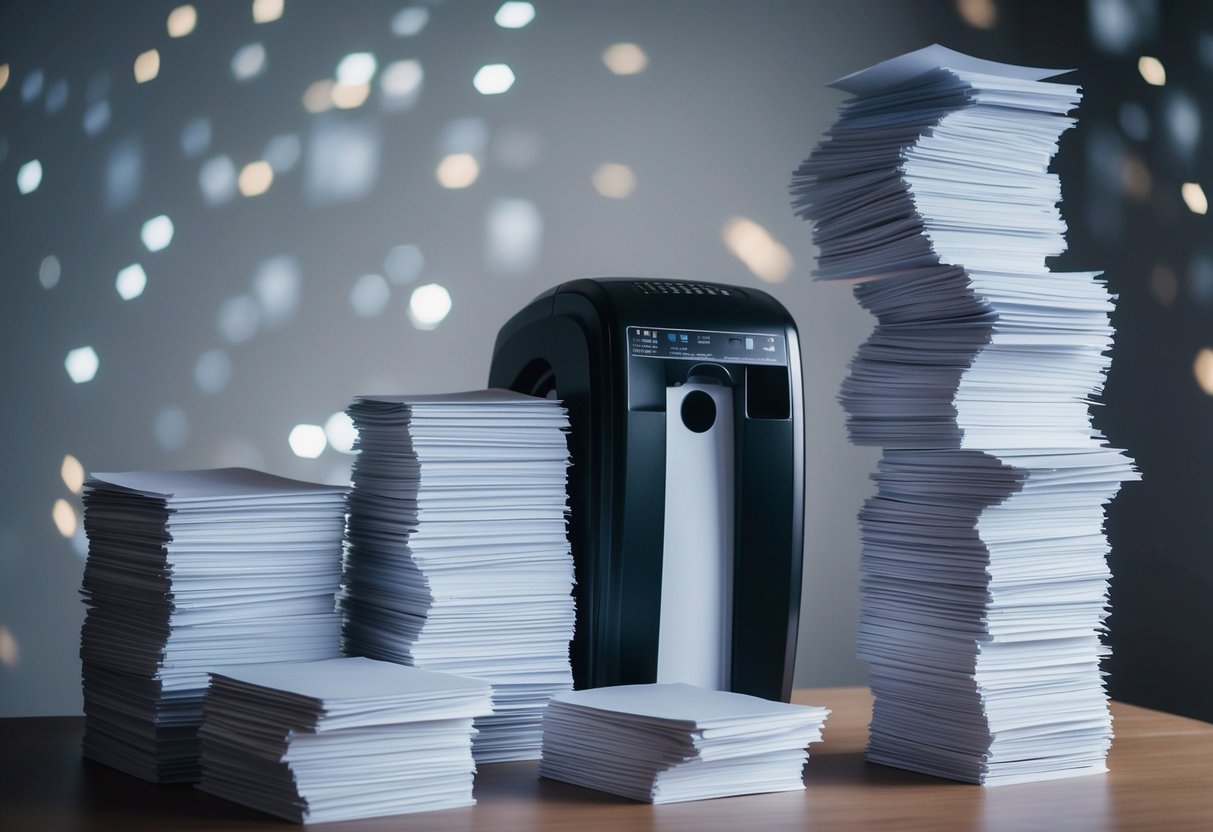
(671, 336)
(683, 337)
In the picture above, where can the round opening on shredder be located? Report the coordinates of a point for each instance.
(698, 411)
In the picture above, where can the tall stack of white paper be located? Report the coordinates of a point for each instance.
(457, 553)
(984, 578)
(674, 742)
(340, 739)
(188, 570)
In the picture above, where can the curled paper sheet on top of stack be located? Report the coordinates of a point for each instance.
(984, 576)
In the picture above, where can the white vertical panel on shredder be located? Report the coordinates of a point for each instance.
(697, 561)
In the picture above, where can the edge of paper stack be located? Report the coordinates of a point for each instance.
(984, 574)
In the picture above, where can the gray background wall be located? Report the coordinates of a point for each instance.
(731, 100)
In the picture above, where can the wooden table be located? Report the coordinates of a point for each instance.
(1161, 779)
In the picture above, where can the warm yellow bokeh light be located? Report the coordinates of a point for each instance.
(4, 72)
(181, 21)
(65, 518)
(614, 180)
(459, 170)
(267, 11)
(349, 96)
(10, 651)
(1194, 197)
(1152, 70)
(980, 14)
(147, 66)
(72, 473)
(765, 256)
(1202, 368)
(255, 178)
(625, 58)
(319, 97)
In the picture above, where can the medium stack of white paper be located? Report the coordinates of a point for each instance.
(457, 553)
(984, 578)
(674, 742)
(340, 739)
(188, 570)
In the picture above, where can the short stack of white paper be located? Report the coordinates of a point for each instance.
(340, 739)
(673, 742)
(457, 554)
(984, 577)
(188, 570)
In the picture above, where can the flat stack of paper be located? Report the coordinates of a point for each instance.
(340, 739)
(188, 570)
(673, 742)
(984, 574)
(457, 554)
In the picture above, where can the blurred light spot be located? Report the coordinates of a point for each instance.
(459, 170)
(1182, 115)
(401, 83)
(196, 137)
(980, 14)
(356, 68)
(49, 271)
(513, 233)
(514, 15)
(10, 651)
(276, 286)
(493, 79)
(72, 473)
(307, 441)
(255, 178)
(213, 371)
(29, 176)
(181, 21)
(1163, 285)
(248, 62)
(464, 135)
(123, 173)
(239, 453)
(1134, 121)
(147, 66)
(283, 152)
(56, 96)
(1202, 368)
(517, 148)
(239, 318)
(217, 180)
(31, 87)
(96, 117)
(1136, 178)
(157, 233)
(318, 97)
(341, 433)
(370, 295)
(98, 87)
(65, 517)
(403, 264)
(409, 21)
(171, 428)
(342, 160)
(267, 11)
(1116, 25)
(625, 59)
(4, 73)
(614, 180)
(350, 96)
(753, 245)
(429, 306)
(81, 364)
(131, 282)
(1194, 197)
(1152, 70)
(1200, 279)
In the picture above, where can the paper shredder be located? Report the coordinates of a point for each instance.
(687, 484)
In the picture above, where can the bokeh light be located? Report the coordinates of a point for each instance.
(350, 96)
(429, 305)
(493, 79)
(276, 285)
(1194, 197)
(49, 272)
(213, 371)
(307, 441)
(72, 473)
(614, 180)
(131, 282)
(64, 517)
(181, 21)
(96, 118)
(341, 433)
(625, 59)
(239, 319)
(369, 295)
(4, 73)
(1202, 368)
(1152, 70)
(409, 21)
(31, 87)
(980, 14)
(29, 176)
(147, 66)
(514, 15)
(56, 97)
(217, 180)
(255, 178)
(459, 170)
(196, 137)
(356, 68)
(10, 650)
(157, 233)
(267, 11)
(753, 245)
(403, 264)
(401, 83)
(513, 234)
(248, 62)
(283, 152)
(82, 364)
(319, 96)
